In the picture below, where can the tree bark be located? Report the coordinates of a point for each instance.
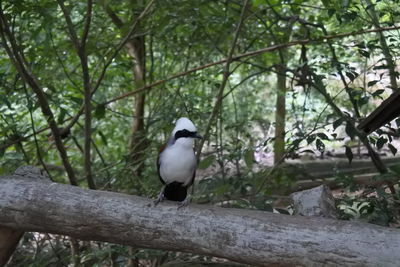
(137, 141)
(248, 236)
(9, 239)
(136, 48)
(280, 114)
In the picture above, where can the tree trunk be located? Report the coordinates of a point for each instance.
(280, 115)
(136, 49)
(9, 239)
(248, 236)
(137, 142)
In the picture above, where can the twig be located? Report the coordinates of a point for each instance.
(39, 155)
(70, 25)
(80, 47)
(16, 57)
(249, 54)
(225, 77)
(110, 59)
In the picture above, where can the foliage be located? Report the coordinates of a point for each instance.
(332, 84)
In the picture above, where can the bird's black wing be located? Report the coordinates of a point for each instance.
(194, 174)
(158, 163)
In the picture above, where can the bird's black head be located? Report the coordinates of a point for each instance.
(186, 133)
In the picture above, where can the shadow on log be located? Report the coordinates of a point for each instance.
(247, 236)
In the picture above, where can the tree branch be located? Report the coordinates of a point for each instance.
(88, 20)
(88, 98)
(249, 54)
(70, 25)
(237, 57)
(19, 63)
(248, 236)
(80, 47)
(110, 59)
(226, 74)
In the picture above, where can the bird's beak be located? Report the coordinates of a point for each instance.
(198, 136)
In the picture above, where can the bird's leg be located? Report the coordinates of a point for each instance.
(160, 196)
(184, 203)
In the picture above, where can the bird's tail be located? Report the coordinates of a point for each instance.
(175, 191)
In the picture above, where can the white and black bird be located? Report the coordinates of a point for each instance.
(176, 163)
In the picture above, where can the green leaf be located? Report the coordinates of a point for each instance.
(207, 162)
(249, 158)
(337, 123)
(320, 145)
(381, 141)
(103, 137)
(257, 3)
(392, 149)
(61, 116)
(311, 139)
(378, 92)
(395, 169)
(350, 75)
(349, 153)
(326, 3)
(222, 189)
(100, 112)
(296, 143)
(350, 130)
(372, 83)
(77, 100)
(363, 101)
(323, 136)
(364, 53)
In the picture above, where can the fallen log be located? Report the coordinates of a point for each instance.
(247, 236)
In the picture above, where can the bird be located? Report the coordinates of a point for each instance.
(177, 162)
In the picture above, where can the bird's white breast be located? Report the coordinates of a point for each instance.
(177, 163)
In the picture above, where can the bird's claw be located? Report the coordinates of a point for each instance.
(184, 203)
(159, 199)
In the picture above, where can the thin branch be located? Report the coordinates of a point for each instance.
(237, 57)
(114, 17)
(86, 28)
(16, 57)
(87, 100)
(225, 78)
(70, 25)
(80, 48)
(39, 155)
(249, 54)
(110, 59)
(340, 72)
